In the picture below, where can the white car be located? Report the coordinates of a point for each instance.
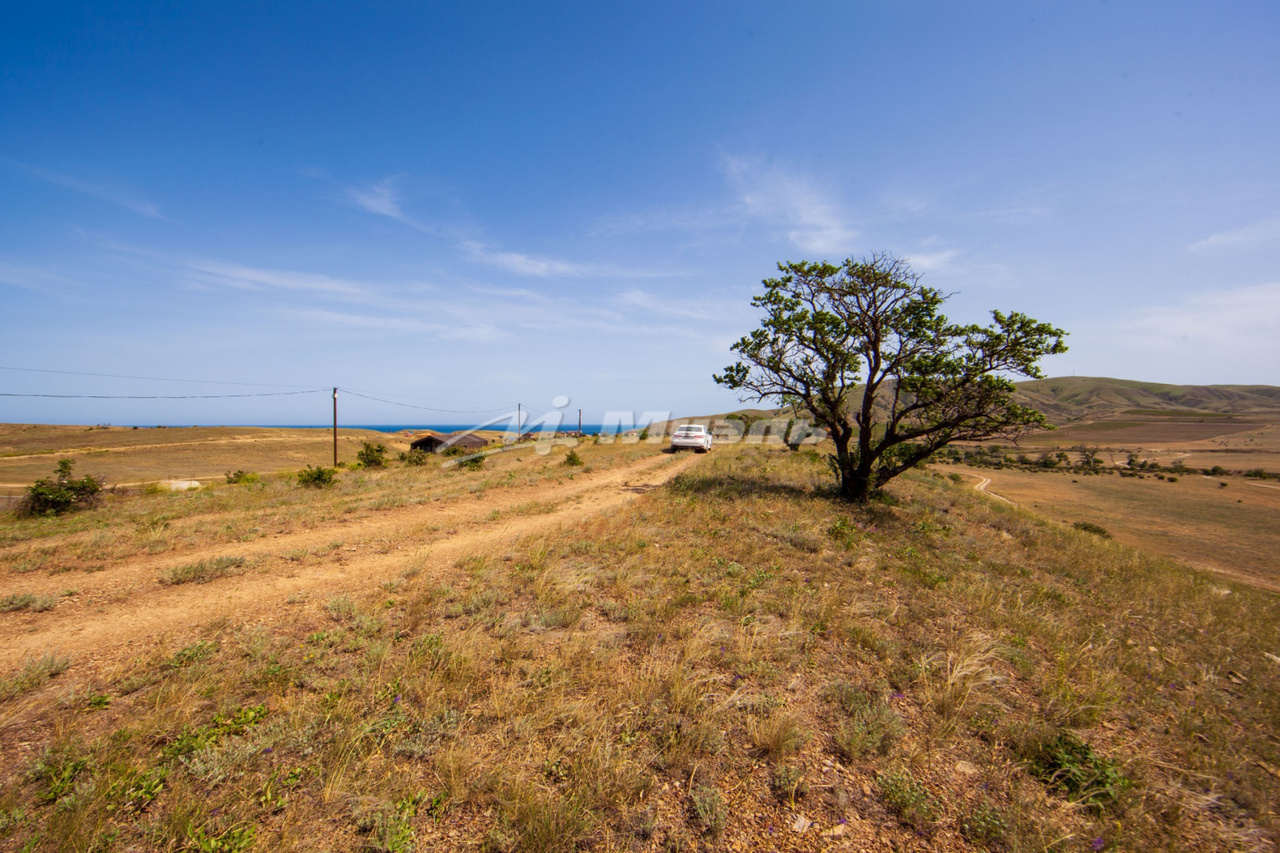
(691, 436)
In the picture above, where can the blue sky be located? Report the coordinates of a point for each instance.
(461, 206)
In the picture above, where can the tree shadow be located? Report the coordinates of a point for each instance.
(731, 486)
(735, 487)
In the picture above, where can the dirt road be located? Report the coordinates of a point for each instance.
(125, 607)
(981, 486)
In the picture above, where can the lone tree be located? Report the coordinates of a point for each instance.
(862, 347)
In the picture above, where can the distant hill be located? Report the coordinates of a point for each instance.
(1065, 399)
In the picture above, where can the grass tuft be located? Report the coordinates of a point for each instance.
(35, 671)
(204, 571)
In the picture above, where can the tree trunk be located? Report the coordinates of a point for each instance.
(855, 482)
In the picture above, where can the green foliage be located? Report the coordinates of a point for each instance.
(573, 459)
(34, 672)
(907, 798)
(317, 478)
(984, 825)
(788, 783)
(240, 477)
(415, 457)
(473, 463)
(193, 653)
(871, 727)
(710, 809)
(372, 455)
(62, 494)
(389, 830)
(233, 840)
(27, 601)
(1090, 527)
(55, 772)
(1070, 765)
(192, 740)
(863, 348)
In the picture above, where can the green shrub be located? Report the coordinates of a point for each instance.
(241, 477)
(372, 455)
(573, 459)
(414, 457)
(872, 727)
(473, 463)
(788, 783)
(907, 798)
(985, 826)
(710, 809)
(317, 478)
(61, 494)
(1070, 765)
(1090, 527)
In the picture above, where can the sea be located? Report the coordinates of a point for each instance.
(587, 429)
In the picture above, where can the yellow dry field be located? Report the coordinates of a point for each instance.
(1235, 443)
(127, 456)
(637, 652)
(1232, 529)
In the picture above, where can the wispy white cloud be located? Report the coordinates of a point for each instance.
(933, 261)
(35, 279)
(383, 198)
(691, 220)
(813, 222)
(1232, 325)
(480, 332)
(682, 306)
(380, 197)
(1266, 231)
(524, 264)
(118, 196)
(250, 278)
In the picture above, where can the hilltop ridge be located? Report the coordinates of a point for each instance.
(1066, 399)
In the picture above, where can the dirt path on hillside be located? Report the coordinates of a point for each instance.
(125, 607)
(981, 486)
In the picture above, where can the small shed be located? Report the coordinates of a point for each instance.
(437, 443)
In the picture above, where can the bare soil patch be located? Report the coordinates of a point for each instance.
(124, 604)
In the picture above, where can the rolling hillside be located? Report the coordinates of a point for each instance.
(1066, 399)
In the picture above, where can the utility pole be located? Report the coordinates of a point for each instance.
(579, 423)
(519, 421)
(335, 427)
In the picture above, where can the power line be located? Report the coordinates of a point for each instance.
(424, 408)
(152, 378)
(398, 397)
(163, 396)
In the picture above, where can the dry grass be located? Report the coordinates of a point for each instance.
(1195, 519)
(675, 677)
